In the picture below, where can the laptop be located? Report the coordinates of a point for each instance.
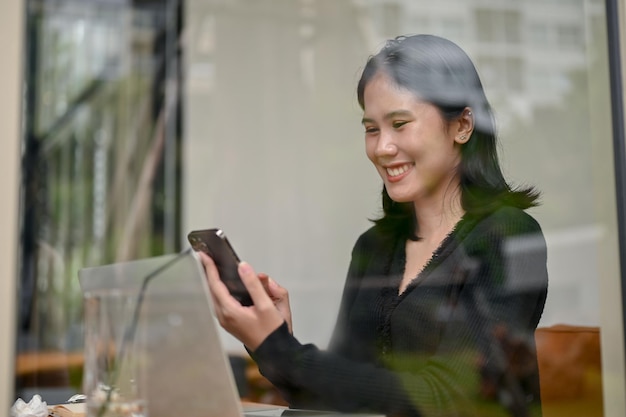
(185, 370)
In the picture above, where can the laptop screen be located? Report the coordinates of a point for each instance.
(179, 364)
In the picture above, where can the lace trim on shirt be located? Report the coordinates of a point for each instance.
(394, 270)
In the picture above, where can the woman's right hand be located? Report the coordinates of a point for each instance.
(279, 295)
(250, 324)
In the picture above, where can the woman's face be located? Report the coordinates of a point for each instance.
(413, 148)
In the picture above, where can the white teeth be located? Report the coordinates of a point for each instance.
(394, 172)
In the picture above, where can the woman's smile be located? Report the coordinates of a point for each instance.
(398, 172)
(413, 148)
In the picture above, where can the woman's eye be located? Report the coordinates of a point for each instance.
(371, 129)
(397, 125)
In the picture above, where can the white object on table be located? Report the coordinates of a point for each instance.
(36, 407)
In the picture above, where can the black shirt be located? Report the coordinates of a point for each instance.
(459, 341)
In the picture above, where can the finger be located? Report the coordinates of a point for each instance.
(209, 268)
(219, 292)
(213, 280)
(210, 271)
(264, 281)
(276, 289)
(253, 284)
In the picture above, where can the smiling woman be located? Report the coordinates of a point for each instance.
(415, 151)
(431, 72)
(445, 291)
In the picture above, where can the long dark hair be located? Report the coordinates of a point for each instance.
(439, 72)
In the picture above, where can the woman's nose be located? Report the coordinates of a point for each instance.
(386, 145)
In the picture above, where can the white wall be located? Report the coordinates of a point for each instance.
(274, 149)
(11, 27)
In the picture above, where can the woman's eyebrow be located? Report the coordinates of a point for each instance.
(397, 113)
(390, 115)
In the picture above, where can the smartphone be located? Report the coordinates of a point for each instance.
(214, 243)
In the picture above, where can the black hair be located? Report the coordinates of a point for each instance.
(439, 72)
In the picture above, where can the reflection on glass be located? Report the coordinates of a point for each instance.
(100, 165)
(288, 67)
(549, 92)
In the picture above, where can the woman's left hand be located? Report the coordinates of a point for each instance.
(279, 296)
(250, 324)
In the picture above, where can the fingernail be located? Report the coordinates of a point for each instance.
(244, 267)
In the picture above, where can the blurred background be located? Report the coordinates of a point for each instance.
(146, 119)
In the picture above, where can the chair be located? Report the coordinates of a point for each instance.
(570, 370)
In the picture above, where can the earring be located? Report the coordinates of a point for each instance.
(462, 138)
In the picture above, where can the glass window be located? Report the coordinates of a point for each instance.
(538, 33)
(262, 137)
(453, 27)
(392, 13)
(570, 36)
(498, 26)
(101, 169)
(552, 107)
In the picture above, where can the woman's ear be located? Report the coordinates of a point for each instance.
(465, 126)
